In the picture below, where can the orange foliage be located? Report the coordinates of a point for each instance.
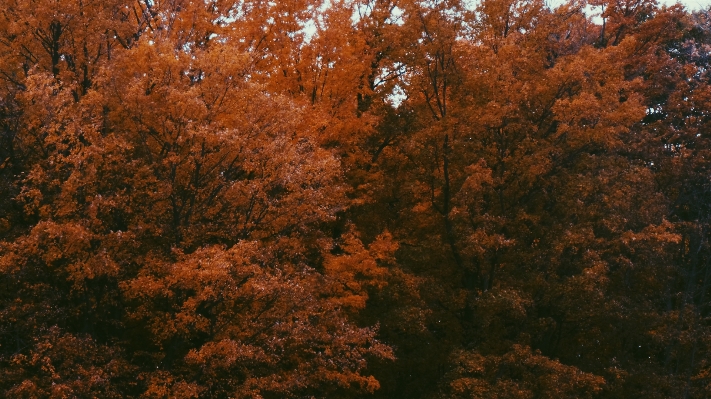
(381, 198)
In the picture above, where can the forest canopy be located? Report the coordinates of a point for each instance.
(354, 198)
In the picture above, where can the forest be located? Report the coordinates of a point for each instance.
(416, 199)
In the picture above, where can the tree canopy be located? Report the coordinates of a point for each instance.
(354, 198)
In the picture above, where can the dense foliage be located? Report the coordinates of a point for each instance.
(354, 198)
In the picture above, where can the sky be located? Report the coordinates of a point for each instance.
(690, 4)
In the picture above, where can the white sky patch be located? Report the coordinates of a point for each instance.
(359, 12)
(310, 27)
(363, 10)
(309, 30)
(396, 16)
(397, 96)
(691, 5)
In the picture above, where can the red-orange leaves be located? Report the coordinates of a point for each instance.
(64, 250)
(239, 323)
(60, 364)
(521, 374)
(357, 269)
(215, 166)
(605, 107)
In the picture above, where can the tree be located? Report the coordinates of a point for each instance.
(176, 243)
(384, 198)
